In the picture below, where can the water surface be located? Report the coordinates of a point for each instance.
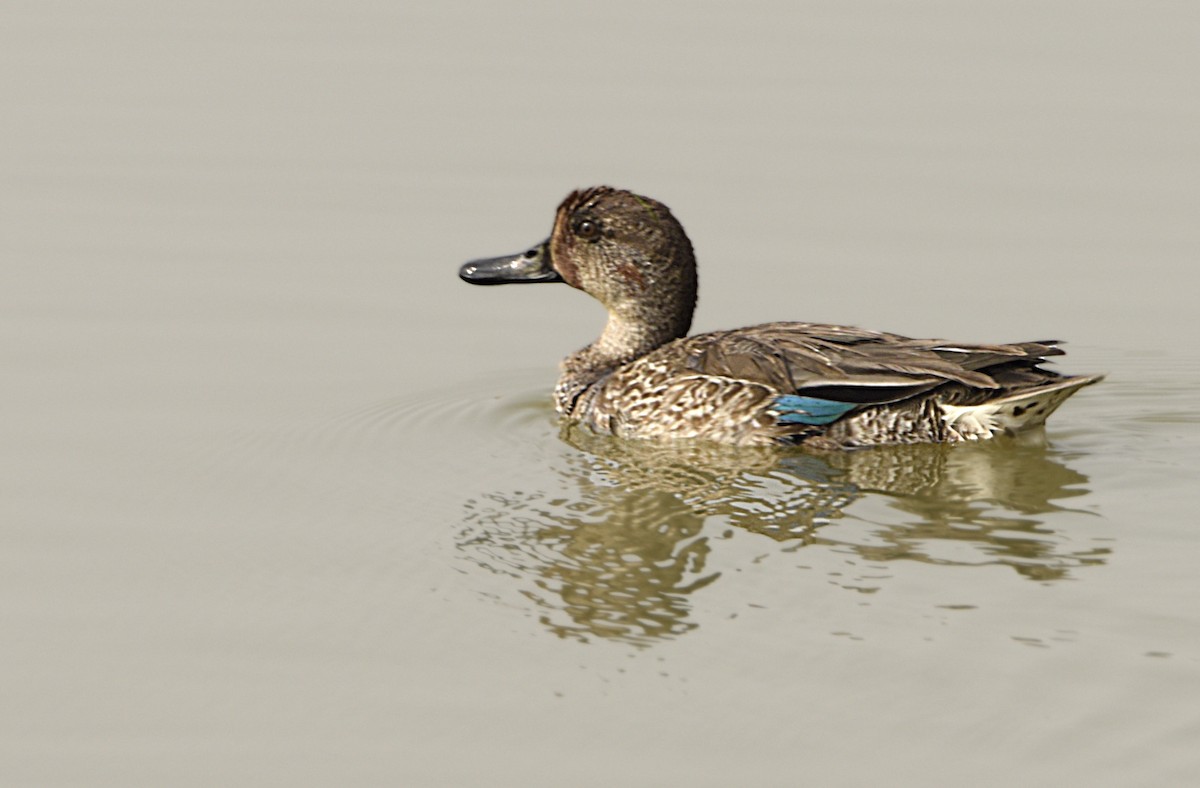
(285, 503)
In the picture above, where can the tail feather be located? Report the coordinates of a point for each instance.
(1013, 412)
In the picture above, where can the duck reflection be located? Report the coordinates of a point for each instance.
(617, 550)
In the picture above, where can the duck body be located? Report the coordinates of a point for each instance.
(818, 385)
(821, 385)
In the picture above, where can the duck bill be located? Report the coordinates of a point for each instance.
(524, 268)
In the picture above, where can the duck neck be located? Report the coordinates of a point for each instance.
(628, 337)
(625, 338)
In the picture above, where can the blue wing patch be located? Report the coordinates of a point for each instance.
(794, 409)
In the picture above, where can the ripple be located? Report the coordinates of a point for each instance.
(621, 527)
(432, 427)
(440, 415)
(381, 479)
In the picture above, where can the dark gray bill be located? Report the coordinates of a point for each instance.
(530, 266)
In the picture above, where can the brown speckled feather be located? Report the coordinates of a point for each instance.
(720, 386)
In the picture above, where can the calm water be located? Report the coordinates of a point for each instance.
(285, 503)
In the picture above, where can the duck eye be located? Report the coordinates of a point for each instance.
(587, 229)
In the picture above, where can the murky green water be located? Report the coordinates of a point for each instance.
(285, 503)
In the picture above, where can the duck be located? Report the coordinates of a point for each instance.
(774, 384)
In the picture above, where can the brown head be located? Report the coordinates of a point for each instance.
(629, 253)
(626, 251)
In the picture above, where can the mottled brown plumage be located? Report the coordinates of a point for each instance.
(822, 385)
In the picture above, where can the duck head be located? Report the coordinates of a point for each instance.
(626, 251)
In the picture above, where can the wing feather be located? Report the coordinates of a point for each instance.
(857, 365)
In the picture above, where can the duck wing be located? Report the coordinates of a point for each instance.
(867, 367)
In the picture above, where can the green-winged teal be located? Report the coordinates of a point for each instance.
(776, 383)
